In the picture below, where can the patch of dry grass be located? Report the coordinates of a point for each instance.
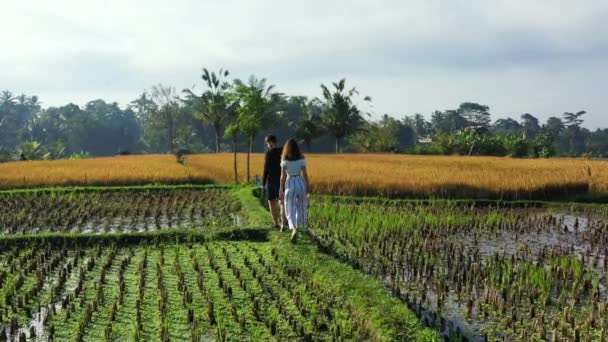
(95, 171)
(355, 174)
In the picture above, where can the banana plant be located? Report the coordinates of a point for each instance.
(33, 150)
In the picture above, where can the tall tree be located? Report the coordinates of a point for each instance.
(475, 114)
(554, 126)
(308, 125)
(167, 111)
(506, 126)
(447, 122)
(530, 126)
(573, 119)
(143, 107)
(598, 143)
(7, 106)
(68, 123)
(421, 127)
(255, 109)
(405, 132)
(378, 136)
(212, 106)
(232, 131)
(385, 135)
(573, 122)
(10, 122)
(341, 117)
(26, 110)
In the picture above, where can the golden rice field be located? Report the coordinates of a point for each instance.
(356, 174)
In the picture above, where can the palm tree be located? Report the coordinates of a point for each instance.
(255, 112)
(7, 101)
(9, 122)
(232, 131)
(530, 126)
(308, 126)
(212, 106)
(341, 117)
(24, 114)
(573, 122)
(7, 98)
(143, 107)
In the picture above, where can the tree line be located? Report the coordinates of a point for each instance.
(224, 114)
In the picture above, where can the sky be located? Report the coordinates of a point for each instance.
(543, 57)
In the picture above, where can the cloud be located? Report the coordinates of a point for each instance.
(541, 56)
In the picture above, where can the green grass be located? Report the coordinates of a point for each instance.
(503, 269)
(259, 285)
(252, 206)
(246, 290)
(388, 318)
(212, 203)
(385, 317)
(174, 235)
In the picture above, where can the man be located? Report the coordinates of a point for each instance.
(271, 180)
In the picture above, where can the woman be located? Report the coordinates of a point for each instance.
(294, 188)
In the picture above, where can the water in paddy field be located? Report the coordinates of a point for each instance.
(118, 225)
(100, 213)
(536, 232)
(475, 272)
(112, 212)
(36, 323)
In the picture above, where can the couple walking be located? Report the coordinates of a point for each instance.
(285, 183)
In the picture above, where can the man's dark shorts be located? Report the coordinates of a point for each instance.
(272, 190)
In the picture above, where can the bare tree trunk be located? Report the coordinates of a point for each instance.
(248, 157)
(217, 142)
(217, 138)
(171, 138)
(236, 175)
(337, 145)
(572, 145)
(471, 149)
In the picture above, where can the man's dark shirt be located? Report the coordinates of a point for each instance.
(272, 166)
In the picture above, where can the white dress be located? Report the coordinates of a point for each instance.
(295, 201)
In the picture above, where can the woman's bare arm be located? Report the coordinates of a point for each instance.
(305, 174)
(283, 178)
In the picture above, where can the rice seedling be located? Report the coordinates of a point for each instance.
(479, 272)
(115, 211)
(220, 290)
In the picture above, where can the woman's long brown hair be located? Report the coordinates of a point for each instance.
(291, 151)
